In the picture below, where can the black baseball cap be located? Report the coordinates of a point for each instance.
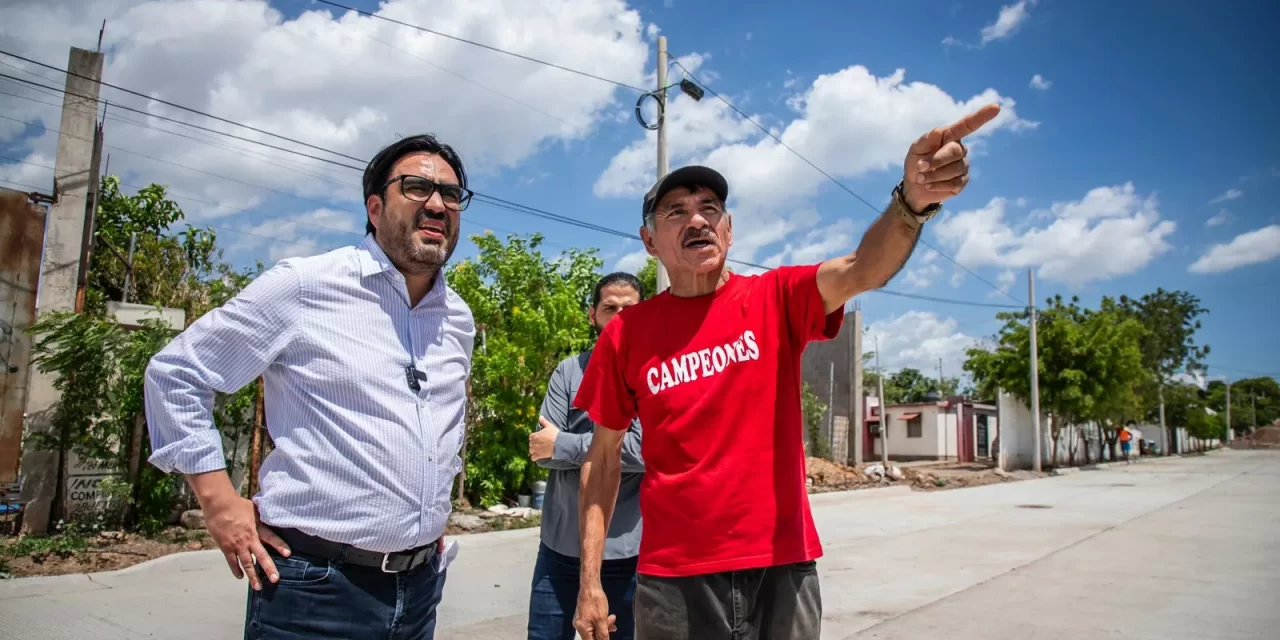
(693, 175)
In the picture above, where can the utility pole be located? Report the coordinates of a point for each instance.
(857, 416)
(663, 169)
(1254, 401)
(884, 417)
(831, 410)
(946, 433)
(1230, 433)
(1035, 370)
(43, 472)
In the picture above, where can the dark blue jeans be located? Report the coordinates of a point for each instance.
(317, 598)
(555, 595)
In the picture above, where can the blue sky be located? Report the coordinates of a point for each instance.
(1172, 98)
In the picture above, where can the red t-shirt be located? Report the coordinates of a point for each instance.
(716, 383)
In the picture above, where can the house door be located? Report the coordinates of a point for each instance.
(984, 450)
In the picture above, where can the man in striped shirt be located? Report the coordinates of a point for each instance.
(365, 354)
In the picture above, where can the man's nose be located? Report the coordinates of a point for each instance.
(435, 205)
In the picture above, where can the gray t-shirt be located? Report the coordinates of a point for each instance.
(560, 504)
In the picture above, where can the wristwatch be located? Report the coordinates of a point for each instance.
(913, 217)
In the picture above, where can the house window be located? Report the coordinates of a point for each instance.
(915, 428)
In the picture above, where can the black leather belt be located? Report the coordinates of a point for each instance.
(393, 562)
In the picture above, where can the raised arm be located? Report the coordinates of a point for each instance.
(936, 169)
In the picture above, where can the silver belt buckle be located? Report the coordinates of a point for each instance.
(385, 558)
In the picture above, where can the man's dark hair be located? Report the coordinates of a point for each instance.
(379, 169)
(618, 277)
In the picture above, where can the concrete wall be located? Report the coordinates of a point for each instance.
(1017, 435)
(815, 367)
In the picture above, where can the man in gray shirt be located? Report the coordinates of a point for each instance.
(561, 445)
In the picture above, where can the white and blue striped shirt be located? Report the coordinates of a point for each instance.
(360, 458)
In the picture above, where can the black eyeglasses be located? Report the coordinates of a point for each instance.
(420, 189)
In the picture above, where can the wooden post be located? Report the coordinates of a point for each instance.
(255, 445)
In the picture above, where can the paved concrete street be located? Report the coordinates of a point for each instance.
(1169, 548)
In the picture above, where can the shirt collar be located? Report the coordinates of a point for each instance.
(373, 259)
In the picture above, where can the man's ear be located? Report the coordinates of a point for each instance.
(646, 236)
(591, 315)
(373, 208)
(729, 216)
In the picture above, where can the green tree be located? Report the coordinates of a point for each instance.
(1086, 362)
(910, 385)
(530, 313)
(1168, 346)
(98, 365)
(1254, 401)
(814, 411)
(648, 276)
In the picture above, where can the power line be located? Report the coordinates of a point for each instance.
(483, 198)
(483, 46)
(1245, 371)
(177, 106)
(271, 160)
(184, 123)
(832, 178)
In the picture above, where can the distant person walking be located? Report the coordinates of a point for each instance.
(1126, 443)
(561, 445)
(366, 355)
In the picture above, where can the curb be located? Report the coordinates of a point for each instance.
(877, 492)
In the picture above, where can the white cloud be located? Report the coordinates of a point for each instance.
(1011, 17)
(631, 262)
(849, 122)
(1038, 82)
(816, 245)
(922, 277)
(1004, 282)
(1112, 231)
(952, 41)
(1020, 202)
(1253, 247)
(341, 81)
(917, 339)
(1223, 216)
(957, 279)
(1230, 194)
(306, 234)
(652, 31)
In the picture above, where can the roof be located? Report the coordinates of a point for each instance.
(909, 416)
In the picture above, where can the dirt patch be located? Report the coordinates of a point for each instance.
(1263, 438)
(827, 476)
(467, 520)
(107, 551)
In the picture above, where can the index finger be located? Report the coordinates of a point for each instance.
(972, 122)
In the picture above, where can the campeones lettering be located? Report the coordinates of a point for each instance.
(705, 363)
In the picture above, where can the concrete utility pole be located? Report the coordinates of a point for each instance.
(857, 414)
(884, 418)
(1035, 371)
(1230, 433)
(64, 235)
(663, 169)
(831, 410)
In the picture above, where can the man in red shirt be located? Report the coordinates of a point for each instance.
(712, 369)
